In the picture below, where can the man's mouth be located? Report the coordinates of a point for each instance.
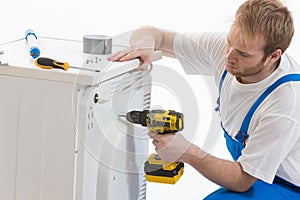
(230, 66)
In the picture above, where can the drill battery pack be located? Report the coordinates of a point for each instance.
(159, 171)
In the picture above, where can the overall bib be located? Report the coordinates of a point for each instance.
(279, 189)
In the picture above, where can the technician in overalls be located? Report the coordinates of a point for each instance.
(259, 102)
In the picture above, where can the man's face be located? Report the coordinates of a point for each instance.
(244, 59)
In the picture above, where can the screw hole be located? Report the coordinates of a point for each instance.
(96, 98)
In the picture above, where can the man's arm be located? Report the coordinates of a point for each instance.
(159, 39)
(144, 42)
(225, 173)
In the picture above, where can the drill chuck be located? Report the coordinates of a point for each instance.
(138, 117)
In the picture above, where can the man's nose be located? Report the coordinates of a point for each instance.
(230, 55)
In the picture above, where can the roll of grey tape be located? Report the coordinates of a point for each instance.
(97, 44)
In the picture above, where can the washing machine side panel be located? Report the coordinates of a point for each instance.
(37, 139)
(111, 152)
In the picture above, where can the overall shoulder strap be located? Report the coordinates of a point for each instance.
(242, 135)
(222, 80)
(220, 88)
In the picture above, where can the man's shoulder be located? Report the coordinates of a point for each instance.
(200, 36)
(289, 65)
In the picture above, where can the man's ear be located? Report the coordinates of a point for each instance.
(275, 55)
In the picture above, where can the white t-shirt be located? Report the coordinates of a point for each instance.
(273, 146)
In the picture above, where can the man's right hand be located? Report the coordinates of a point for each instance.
(145, 55)
(144, 42)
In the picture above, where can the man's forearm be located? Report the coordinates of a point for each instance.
(148, 37)
(225, 173)
(151, 37)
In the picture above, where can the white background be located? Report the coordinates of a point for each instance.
(73, 19)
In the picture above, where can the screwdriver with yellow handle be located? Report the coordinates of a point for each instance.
(48, 63)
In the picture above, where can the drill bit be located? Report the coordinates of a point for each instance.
(122, 115)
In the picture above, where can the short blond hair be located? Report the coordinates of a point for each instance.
(267, 17)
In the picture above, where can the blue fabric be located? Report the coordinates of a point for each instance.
(242, 136)
(259, 190)
(286, 183)
(220, 88)
(279, 189)
(234, 147)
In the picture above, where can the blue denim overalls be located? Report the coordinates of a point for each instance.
(279, 189)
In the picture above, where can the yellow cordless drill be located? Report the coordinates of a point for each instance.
(160, 122)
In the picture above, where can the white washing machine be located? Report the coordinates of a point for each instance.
(60, 135)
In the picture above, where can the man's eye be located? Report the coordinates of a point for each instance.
(244, 54)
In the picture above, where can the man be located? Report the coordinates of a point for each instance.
(259, 105)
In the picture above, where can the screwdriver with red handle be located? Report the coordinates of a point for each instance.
(48, 63)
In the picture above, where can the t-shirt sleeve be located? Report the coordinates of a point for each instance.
(201, 53)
